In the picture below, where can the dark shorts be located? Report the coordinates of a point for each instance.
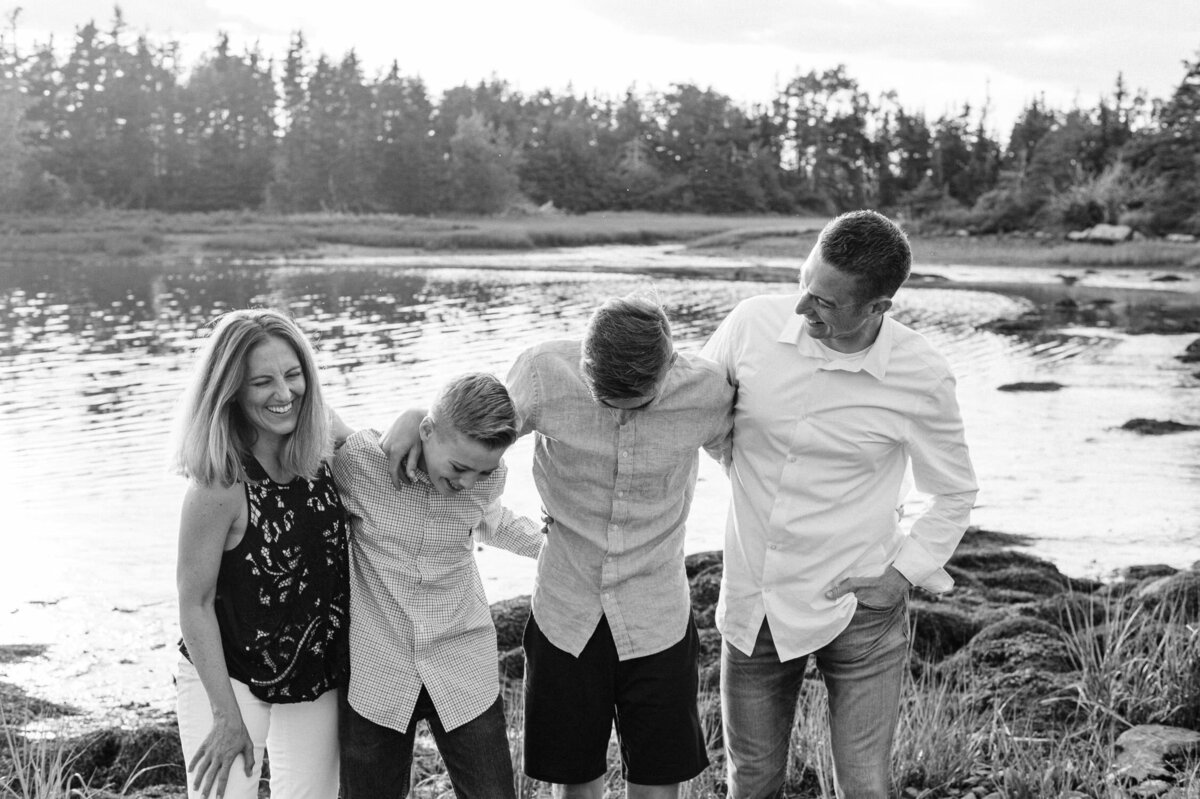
(571, 705)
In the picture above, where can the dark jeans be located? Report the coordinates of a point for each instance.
(377, 760)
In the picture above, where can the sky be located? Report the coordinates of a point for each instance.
(935, 54)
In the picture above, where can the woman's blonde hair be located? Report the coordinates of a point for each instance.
(212, 434)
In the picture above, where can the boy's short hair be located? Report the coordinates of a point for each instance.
(869, 246)
(478, 406)
(626, 347)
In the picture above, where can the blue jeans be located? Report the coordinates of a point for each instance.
(377, 760)
(863, 670)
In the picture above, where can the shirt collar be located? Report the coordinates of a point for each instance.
(875, 362)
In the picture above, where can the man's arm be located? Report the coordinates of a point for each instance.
(942, 468)
(720, 350)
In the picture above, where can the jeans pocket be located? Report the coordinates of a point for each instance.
(872, 608)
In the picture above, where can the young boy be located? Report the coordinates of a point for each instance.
(422, 642)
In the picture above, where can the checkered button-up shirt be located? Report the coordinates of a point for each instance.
(418, 613)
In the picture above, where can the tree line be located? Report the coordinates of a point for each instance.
(120, 121)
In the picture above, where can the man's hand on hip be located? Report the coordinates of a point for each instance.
(884, 591)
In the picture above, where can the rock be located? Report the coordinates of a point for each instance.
(510, 616)
(1049, 385)
(701, 562)
(1156, 427)
(1028, 322)
(1044, 652)
(938, 630)
(926, 277)
(131, 758)
(705, 589)
(1150, 788)
(1142, 751)
(1191, 353)
(978, 538)
(1179, 593)
(979, 560)
(1181, 238)
(1102, 234)
(1014, 626)
(1166, 279)
(1142, 572)
(1068, 611)
(1035, 580)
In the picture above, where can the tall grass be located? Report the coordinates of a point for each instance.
(1135, 667)
(37, 769)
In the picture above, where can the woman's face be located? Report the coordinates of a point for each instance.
(272, 392)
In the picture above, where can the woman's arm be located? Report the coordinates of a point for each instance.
(212, 517)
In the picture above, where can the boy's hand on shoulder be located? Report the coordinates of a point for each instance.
(401, 443)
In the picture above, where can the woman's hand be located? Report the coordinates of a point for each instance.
(402, 445)
(227, 739)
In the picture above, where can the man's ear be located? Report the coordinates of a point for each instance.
(879, 306)
(426, 428)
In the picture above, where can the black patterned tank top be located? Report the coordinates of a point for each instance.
(282, 593)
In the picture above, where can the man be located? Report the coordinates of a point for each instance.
(835, 400)
(618, 419)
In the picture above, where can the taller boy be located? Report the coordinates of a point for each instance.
(618, 421)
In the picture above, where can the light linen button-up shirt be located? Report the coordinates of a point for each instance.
(821, 447)
(418, 612)
(618, 486)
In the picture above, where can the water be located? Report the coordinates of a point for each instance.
(92, 359)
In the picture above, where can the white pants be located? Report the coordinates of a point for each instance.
(302, 738)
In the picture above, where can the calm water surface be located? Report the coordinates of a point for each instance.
(92, 360)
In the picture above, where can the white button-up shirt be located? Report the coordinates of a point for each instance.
(821, 447)
(418, 612)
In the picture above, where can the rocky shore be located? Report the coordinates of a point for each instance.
(1015, 640)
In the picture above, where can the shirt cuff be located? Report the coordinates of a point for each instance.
(920, 569)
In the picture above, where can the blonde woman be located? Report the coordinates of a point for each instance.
(262, 570)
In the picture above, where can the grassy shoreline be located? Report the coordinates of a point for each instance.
(153, 235)
(1023, 681)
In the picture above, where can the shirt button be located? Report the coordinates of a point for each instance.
(791, 458)
(620, 493)
(624, 453)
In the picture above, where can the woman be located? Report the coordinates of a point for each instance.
(262, 573)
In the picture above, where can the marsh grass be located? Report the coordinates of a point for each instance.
(1134, 666)
(130, 234)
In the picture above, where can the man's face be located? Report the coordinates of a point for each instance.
(455, 462)
(832, 310)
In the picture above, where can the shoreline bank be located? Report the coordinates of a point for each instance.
(1017, 649)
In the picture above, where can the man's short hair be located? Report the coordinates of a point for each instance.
(869, 246)
(626, 348)
(478, 406)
